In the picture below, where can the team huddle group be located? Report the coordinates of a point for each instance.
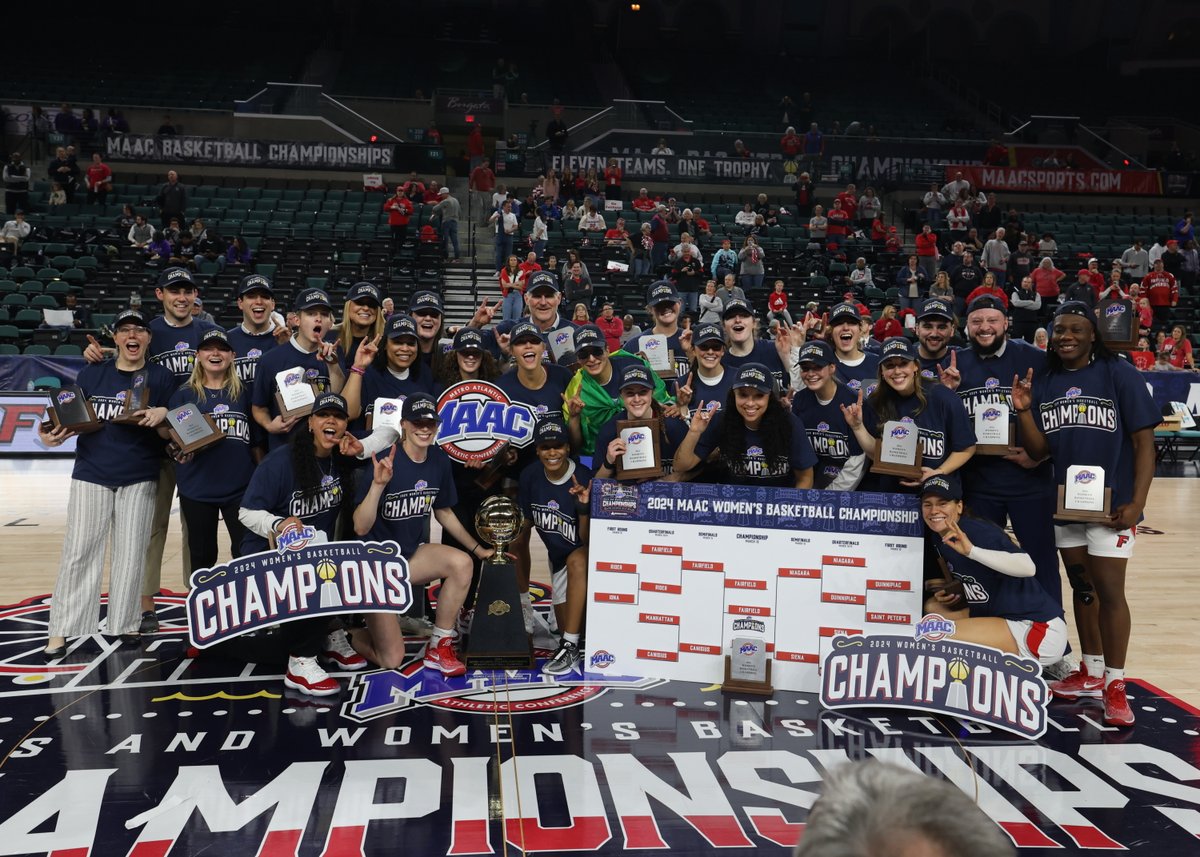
(795, 412)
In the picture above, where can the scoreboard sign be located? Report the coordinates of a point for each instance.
(677, 570)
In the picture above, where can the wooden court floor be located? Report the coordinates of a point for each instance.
(1164, 651)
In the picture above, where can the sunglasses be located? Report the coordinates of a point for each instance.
(711, 346)
(589, 353)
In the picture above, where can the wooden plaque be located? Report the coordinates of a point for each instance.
(1117, 324)
(188, 435)
(1083, 516)
(302, 411)
(70, 408)
(654, 430)
(494, 469)
(758, 688)
(904, 471)
(999, 448)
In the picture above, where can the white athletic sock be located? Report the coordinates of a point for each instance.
(571, 638)
(1093, 665)
(439, 635)
(1111, 675)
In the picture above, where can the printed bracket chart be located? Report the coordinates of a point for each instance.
(678, 570)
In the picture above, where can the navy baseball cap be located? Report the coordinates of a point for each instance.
(735, 306)
(214, 335)
(636, 375)
(817, 351)
(1075, 308)
(313, 298)
(330, 402)
(255, 283)
(844, 310)
(660, 293)
(935, 308)
(549, 431)
(542, 280)
(362, 293)
(418, 407)
(755, 376)
(505, 326)
(525, 330)
(589, 336)
(942, 486)
(467, 339)
(897, 346)
(425, 301)
(708, 332)
(401, 325)
(130, 316)
(175, 278)
(987, 302)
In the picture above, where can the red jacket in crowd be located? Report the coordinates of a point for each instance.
(927, 244)
(1160, 287)
(994, 291)
(886, 327)
(612, 328)
(399, 210)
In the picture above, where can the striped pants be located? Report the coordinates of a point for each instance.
(93, 511)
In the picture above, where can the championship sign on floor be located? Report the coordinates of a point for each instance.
(679, 570)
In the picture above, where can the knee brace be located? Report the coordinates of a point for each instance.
(1080, 585)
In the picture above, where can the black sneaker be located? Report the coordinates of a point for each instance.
(562, 661)
(149, 623)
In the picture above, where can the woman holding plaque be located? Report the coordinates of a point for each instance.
(946, 436)
(1091, 413)
(361, 320)
(989, 579)
(389, 374)
(113, 486)
(212, 480)
(614, 441)
(756, 439)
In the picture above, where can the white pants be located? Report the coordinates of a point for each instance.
(94, 511)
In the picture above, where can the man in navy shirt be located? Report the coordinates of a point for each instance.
(935, 331)
(256, 335)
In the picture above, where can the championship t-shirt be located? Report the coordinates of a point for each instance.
(861, 376)
(273, 488)
(547, 401)
(411, 495)
(550, 507)
(247, 349)
(119, 455)
(990, 592)
(763, 352)
(174, 348)
(219, 473)
(749, 466)
(383, 383)
(286, 356)
(831, 438)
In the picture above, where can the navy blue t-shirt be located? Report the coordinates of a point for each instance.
(675, 430)
(550, 508)
(942, 425)
(749, 466)
(613, 387)
(864, 376)
(287, 356)
(548, 401)
(174, 348)
(763, 352)
(1088, 416)
(380, 383)
(988, 381)
(273, 489)
(832, 440)
(990, 592)
(119, 455)
(221, 472)
(929, 364)
(711, 393)
(247, 349)
(413, 492)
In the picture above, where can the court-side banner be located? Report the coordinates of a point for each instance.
(230, 152)
(1030, 179)
(678, 570)
(20, 414)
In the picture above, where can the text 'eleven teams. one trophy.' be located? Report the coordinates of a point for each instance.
(499, 639)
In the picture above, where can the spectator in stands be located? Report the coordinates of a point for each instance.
(57, 196)
(1115, 289)
(740, 150)
(172, 229)
(777, 304)
(571, 260)
(446, 211)
(688, 224)
(1161, 287)
(499, 195)
(612, 180)
(512, 289)
(803, 190)
(158, 251)
(687, 273)
(550, 210)
(506, 228)
(673, 213)
(870, 207)
(753, 259)
(641, 251)
(1135, 260)
(1046, 279)
(965, 280)
(662, 148)
(711, 305)
(482, 184)
(579, 315)
(1081, 290)
(64, 170)
(955, 188)
(618, 236)
(571, 212)
(1047, 246)
(911, 281)
(958, 221)
(172, 199)
(1026, 306)
(591, 222)
(550, 185)
(17, 177)
(432, 135)
(818, 226)
(927, 250)
(1185, 229)
(238, 253)
(1190, 268)
(952, 260)
(81, 316)
(860, 276)
(814, 148)
(643, 202)
(557, 134)
(745, 217)
(839, 223)
(995, 256)
(887, 325)
(1178, 349)
(1020, 262)
(209, 247)
(1145, 316)
(990, 216)
(611, 326)
(199, 313)
(592, 184)
(183, 251)
(729, 290)
(141, 233)
(99, 180)
(632, 329)
(1172, 259)
(791, 143)
(932, 204)
(763, 207)
(1094, 276)
(724, 261)
(989, 288)
(759, 230)
(399, 209)
(539, 235)
(125, 219)
(973, 242)
(661, 234)
(475, 151)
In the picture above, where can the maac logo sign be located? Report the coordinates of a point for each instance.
(478, 418)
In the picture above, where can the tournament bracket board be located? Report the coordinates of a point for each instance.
(677, 570)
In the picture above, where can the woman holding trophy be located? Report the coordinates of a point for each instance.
(1092, 414)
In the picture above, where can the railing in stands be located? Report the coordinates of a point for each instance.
(306, 99)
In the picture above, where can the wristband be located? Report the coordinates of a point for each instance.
(581, 509)
(611, 465)
(1020, 410)
(275, 525)
(474, 549)
(358, 370)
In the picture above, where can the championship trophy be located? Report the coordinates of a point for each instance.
(498, 636)
(71, 408)
(137, 399)
(191, 430)
(1084, 497)
(899, 451)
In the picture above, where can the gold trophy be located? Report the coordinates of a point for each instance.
(498, 636)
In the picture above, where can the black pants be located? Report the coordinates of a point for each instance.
(98, 195)
(201, 519)
(399, 233)
(16, 199)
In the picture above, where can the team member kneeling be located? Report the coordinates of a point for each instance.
(1006, 608)
(409, 482)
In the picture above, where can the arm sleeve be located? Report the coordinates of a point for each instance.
(377, 441)
(851, 474)
(1012, 564)
(257, 521)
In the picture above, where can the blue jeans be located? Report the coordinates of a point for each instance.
(658, 256)
(513, 307)
(504, 247)
(450, 236)
(539, 248)
(640, 266)
(690, 301)
(751, 281)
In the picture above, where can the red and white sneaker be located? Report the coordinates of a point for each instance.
(1116, 707)
(1078, 685)
(339, 651)
(306, 676)
(443, 658)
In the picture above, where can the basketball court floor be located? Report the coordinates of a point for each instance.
(147, 752)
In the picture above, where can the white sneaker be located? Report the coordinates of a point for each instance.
(1059, 670)
(306, 676)
(339, 651)
(527, 612)
(416, 626)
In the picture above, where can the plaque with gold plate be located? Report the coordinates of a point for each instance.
(657, 354)
(70, 408)
(748, 667)
(995, 433)
(642, 458)
(137, 399)
(1084, 497)
(498, 639)
(191, 430)
(899, 451)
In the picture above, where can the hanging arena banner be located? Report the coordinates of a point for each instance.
(1129, 182)
(233, 152)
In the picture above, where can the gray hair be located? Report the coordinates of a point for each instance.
(869, 809)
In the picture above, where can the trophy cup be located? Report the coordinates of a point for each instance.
(498, 636)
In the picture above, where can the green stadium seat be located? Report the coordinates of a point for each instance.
(38, 350)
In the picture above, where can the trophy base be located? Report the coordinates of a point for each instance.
(498, 639)
(911, 472)
(735, 685)
(1084, 516)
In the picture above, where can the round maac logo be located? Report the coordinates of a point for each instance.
(479, 418)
